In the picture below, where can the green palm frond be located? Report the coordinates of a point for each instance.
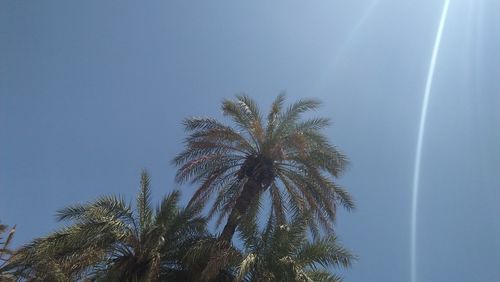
(323, 276)
(102, 209)
(288, 118)
(144, 202)
(325, 252)
(246, 266)
(272, 117)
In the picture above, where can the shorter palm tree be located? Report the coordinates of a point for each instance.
(107, 240)
(282, 252)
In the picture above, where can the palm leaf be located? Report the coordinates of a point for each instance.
(144, 202)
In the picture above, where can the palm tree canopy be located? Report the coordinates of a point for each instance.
(285, 155)
(108, 240)
(284, 253)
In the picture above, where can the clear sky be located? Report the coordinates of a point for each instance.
(93, 91)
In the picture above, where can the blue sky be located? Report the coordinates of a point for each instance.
(91, 92)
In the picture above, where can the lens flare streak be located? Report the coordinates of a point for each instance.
(421, 131)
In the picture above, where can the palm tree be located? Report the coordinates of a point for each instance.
(276, 253)
(5, 253)
(287, 156)
(106, 240)
(284, 253)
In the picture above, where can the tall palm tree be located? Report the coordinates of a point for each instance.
(284, 253)
(286, 156)
(107, 240)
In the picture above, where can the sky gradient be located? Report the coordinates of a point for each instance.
(93, 91)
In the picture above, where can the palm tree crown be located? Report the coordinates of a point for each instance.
(284, 253)
(287, 156)
(108, 241)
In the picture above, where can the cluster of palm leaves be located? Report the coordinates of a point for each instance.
(5, 252)
(283, 163)
(107, 240)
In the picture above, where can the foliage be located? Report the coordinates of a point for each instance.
(107, 240)
(283, 252)
(5, 252)
(286, 156)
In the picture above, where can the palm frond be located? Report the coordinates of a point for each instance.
(325, 252)
(273, 115)
(144, 202)
(323, 276)
(288, 118)
(246, 266)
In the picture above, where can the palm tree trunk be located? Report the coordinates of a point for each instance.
(250, 191)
